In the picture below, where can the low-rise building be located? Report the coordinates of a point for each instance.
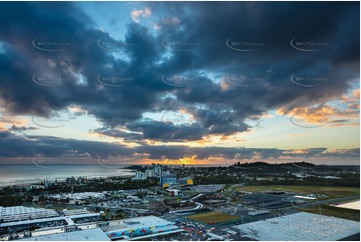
(79, 235)
(36, 187)
(140, 228)
(18, 218)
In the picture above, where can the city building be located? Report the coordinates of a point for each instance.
(150, 173)
(140, 176)
(70, 180)
(47, 184)
(158, 170)
(140, 228)
(185, 181)
(78, 196)
(168, 180)
(35, 187)
(173, 192)
(80, 180)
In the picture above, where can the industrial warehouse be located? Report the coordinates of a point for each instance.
(20, 218)
(301, 226)
(78, 224)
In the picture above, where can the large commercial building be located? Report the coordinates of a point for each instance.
(13, 219)
(300, 227)
(20, 213)
(168, 180)
(80, 235)
(140, 228)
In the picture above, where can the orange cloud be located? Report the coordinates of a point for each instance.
(8, 121)
(353, 101)
(322, 115)
(325, 114)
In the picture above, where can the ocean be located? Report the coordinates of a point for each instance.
(27, 174)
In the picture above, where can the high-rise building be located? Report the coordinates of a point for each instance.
(140, 176)
(158, 170)
(149, 173)
(47, 184)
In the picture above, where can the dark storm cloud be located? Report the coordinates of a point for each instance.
(274, 25)
(21, 128)
(119, 134)
(12, 145)
(155, 130)
(167, 132)
(82, 73)
(39, 82)
(6, 135)
(30, 146)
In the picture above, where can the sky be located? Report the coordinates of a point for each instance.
(180, 82)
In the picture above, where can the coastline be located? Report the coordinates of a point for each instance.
(122, 172)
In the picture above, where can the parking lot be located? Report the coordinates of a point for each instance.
(194, 231)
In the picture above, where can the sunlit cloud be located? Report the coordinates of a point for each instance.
(141, 13)
(323, 114)
(6, 122)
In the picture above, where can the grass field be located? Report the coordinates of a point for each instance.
(327, 210)
(330, 192)
(212, 217)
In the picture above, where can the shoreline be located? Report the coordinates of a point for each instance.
(37, 181)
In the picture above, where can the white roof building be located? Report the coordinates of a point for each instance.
(80, 235)
(140, 228)
(299, 227)
(19, 213)
(23, 216)
(138, 222)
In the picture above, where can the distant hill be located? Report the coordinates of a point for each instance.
(262, 164)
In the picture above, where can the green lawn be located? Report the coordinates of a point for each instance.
(327, 210)
(216, 217)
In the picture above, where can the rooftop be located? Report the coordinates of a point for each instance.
(134, 223)
(301, 226)
(18, 213)
(81, 235)
(41, 217)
